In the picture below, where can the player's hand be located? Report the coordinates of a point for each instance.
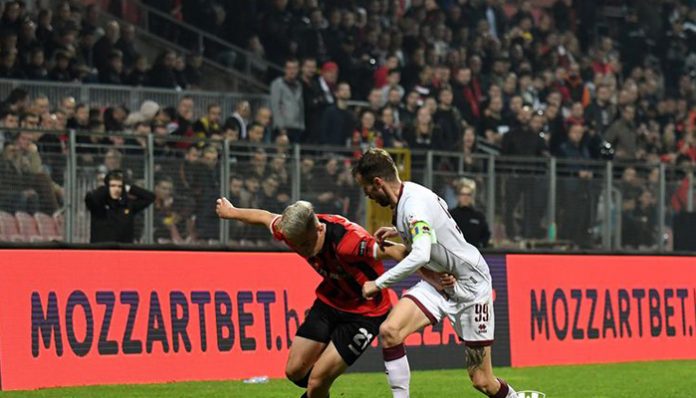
(370, 289)
(385, 233)
(447, 280)
(224, 208)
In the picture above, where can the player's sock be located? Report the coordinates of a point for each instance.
(505, 391)
(303, 381)
(397, 369)
(305, 395)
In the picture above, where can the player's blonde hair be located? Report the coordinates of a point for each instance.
(298, 221)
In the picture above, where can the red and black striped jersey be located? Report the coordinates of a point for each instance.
(347, 259)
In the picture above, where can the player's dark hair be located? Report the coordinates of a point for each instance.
(116, 175)
(376, 162)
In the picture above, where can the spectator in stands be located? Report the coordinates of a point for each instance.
(9, 120)
(173, 213)
(179, 72)
(255, 133)
(85, 49)
(126, 44)
(327, 82)
(423, 133)
(393, 83)
(113, 208)
(263, 118)
(469, 150)
(17, 194)
(600, 114)
(206, 189)
(449, 120)
(61, 69)
(268, 196)
(470, 221)
(115, 118)
(337, 122)
(575, 187)
(315, 100)
(138, 76)
(287, 103)
(183, 121)
(525, 140)
(162, 72)
(329, 196)
(366, 135)
(9, 67)
(639, 221)
(389, 131)
(209, 125)
(192, 72)
(36, 70)
(622, 134)
(258, 164)
(44, 27)
(112, 72)
(104, 46)
(240, 118)
(493, 126)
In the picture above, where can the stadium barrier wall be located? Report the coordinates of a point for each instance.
(79, 317)
(572, 309)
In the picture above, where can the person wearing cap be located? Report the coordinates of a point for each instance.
(327, 80)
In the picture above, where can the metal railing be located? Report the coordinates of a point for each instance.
(242, 81)
(227, 53)
(103, 95)
(529, 202)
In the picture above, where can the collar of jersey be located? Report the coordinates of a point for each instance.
(396, 207)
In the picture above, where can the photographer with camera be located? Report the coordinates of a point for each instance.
(113, 207)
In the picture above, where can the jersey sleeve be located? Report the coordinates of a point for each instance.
(422, 236)
(419, 219)
(358, 246)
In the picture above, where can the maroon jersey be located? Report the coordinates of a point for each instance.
(346, 261)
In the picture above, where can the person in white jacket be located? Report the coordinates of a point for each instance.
(436, 244)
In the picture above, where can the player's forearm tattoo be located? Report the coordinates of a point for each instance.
(474, 357)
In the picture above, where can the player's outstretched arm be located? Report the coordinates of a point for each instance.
(226, 210)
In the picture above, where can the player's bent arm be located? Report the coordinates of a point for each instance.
(391, 250)
(419, 256)
(248, 216)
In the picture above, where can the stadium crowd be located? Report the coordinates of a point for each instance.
(441, 75)
(68, 44)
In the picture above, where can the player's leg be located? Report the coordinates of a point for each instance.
(351, 336)
(480, 369)
(304, 353)
(415, 310)
(310, 341)
(328, 367)
(475, 324)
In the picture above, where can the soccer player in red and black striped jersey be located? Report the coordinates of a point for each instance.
(341, 323)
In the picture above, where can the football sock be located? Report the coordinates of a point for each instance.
(305, 395)
(505, 391)
(398, 370)
(303, 381)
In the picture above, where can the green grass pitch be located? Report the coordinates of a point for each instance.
(641, 379)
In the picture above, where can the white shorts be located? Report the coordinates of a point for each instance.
(473, 321)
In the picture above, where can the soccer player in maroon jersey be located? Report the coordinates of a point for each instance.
(341, 323)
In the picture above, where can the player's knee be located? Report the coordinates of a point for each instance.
(294, 373)
(389, 334)
(318, 383)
